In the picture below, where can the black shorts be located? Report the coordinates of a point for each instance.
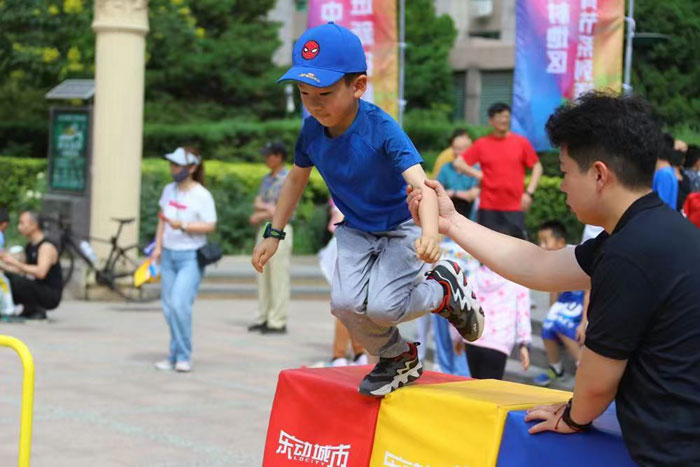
(507, 222)
(486, 363)
(31, 293)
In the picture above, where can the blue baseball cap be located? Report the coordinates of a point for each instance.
(324, 54)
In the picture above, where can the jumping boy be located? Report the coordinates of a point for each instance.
(367, 161)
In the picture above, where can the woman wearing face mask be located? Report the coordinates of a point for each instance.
(187, 215)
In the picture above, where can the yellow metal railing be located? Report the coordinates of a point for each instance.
(25, 432)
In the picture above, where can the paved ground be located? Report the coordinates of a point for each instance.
(99, 401)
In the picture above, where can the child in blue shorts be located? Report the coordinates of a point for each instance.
(367, 162)
(560, 326)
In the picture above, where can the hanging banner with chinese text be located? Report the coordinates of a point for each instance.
(563, 49)
(374, 22)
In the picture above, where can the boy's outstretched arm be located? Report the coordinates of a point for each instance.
(291, 192)
(517, 260)
(428, 245)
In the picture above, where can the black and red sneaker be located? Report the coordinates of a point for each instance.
(459, 305)
(392, 373)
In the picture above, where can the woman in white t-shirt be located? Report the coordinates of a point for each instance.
(187, 214)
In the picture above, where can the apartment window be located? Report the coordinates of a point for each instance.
(486, 34)
(496, 86)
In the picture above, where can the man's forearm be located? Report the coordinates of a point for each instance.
(535, 178)
(518, 260)
(597, 380)
(31, 270)
(461, 166)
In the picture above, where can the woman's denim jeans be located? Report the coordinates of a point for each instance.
(180, 276)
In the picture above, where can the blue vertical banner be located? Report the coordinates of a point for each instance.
(563, 48)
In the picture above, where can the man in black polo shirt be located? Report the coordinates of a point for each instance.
(643, 337)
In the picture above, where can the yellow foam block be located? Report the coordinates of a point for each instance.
(450, 424)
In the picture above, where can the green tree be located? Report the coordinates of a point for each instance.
(429, 39)
(667, 72)
(214, 55)
(42, 42)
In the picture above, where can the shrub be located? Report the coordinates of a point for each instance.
(549, 204)
(234, 185)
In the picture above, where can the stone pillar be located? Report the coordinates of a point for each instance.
(473, 96)
(120, 27)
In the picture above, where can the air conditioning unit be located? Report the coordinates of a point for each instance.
(481, 8)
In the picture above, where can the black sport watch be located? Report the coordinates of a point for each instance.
(274, 233)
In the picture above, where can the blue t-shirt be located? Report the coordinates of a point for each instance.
(362, 167)
(665, 184)
(2, 240)
(453, 180)
(574, 296)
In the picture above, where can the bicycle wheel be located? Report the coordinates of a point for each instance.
(119, 276)
(67, 262)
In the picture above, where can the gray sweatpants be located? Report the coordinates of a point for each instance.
(378, 284)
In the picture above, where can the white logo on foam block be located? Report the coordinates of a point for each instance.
(392, 460)
(303, 451)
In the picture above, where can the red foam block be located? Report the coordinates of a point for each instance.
(319, 418)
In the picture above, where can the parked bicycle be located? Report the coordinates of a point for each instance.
(118, 269)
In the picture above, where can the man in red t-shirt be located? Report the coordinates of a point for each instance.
(503, 157)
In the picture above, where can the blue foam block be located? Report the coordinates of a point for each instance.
(601, 446)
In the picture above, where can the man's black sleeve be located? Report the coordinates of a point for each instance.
(621, 308)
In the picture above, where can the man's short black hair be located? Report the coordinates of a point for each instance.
(691, 156)
(497, 108)
(274, 147)
(457, 133)
(4, 215)
(617, 130)
(557, 228)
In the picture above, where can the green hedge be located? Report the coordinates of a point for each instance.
(550, 204)
(19, 178)
(234, 186)
(227, 140)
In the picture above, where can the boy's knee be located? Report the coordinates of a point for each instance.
(384, 313)
(342, 301)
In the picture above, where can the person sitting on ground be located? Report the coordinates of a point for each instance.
(36, 283)
(4, 222)
(7, 306)
(565, 313)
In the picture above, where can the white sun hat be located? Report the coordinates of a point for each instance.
(180, 156)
